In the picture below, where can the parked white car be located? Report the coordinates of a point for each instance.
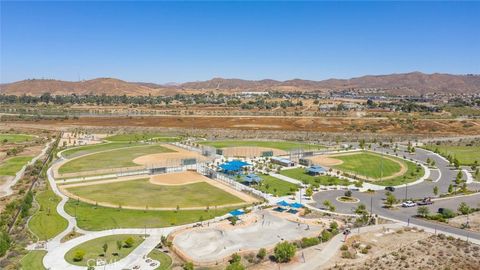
(408, 204)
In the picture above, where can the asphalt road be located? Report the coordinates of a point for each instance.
(443, 178)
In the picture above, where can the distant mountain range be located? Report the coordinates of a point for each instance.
(415, 83)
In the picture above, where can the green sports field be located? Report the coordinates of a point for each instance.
(368, 164)
(96, 218)
(325, 180)
(46, 222)
(466, 155)
(135, 137)
(93, 148)
(11, 166)
(282, 145)
(412, 174)
(15, 138)
(276, 186)
(33, 260)
(119, 158)
(94, 249)
(142, 193)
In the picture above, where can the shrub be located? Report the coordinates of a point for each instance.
(325, 235)
(188, 266)
(78, 255)
(262, 253)
(344, 247)
(235, 266)
(129, 242)
(448, 213)
(308, 242)
(284, 251)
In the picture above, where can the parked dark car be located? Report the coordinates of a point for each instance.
(391, 189)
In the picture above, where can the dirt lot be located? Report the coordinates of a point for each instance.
(473, 219)
(314, 124)
(407, 250)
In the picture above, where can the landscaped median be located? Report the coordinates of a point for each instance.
(46, 222)
(108, 249)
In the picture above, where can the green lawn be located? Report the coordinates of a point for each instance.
(466, 155)
(164, 259)
(33, 260)
(413, 173)
(15, 138)
(276, 186)
(12, 165)
(99, 218)
(119, 158)
(94, 249)
(47, 223)
(140, 193)
(299, 174)
(368, 164)
(282, 145)
(93, 148)
(134, 137)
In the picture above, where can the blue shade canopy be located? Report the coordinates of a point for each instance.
(296, 205)
(233, 166)
(283, 203)
(237, 212)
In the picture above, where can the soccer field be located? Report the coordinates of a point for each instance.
(135, 137)
(141, 193)
(466, 155)
(282, 145)
(93, 148)
(119, 158)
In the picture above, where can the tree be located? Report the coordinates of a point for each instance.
(435, 190)
(463, 208)
(348, 193)
(119, 245)
(423, 211)
(262, 253)
(391, 200)
(456, 163)
(105, 248)
(450, 188)
(78, 255)
(129, 242)
(284, 251)
(361, 209)
(309, 192)
(188, 266)
(235, 258)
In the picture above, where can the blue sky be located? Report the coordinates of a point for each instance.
(187, 41)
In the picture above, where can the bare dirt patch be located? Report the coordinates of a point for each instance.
(171, 159)
(325, 161)
(473, 220)
(250, 151)
(181, 178)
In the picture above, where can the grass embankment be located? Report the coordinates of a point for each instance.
(325, 180)
(164, 259)
(276, 186)
(47, 223)
(33, 260)
(466, 155)
(119, 158)
(142, 193)
(94, 249)
(93, 148)
(90, 217)
(135, 137)
(369, 165)
(15, 138)
(282, 145)
(11, 166)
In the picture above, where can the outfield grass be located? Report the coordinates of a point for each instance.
(325, 180)
(93, 148)
(466, 155)
(94, 249)
(119, 158)
(11, 166)
(276, 186)
(47, 223)
(135, 137)
(142, 193)
(90, 217)
(33, 260)
(282, 145)
(15, 138)
(164, 259)
(368, 164)
(413, 173)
